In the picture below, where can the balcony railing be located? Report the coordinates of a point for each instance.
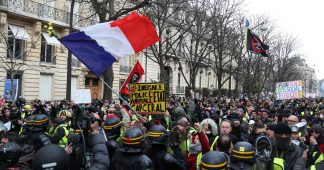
(45, 12)
(125, 69)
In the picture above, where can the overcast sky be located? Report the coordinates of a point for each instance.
(301, 18)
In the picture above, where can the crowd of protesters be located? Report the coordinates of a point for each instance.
(207, 133)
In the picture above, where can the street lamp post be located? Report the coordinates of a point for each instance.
(69, 59)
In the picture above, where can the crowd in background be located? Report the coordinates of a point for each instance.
(207, 133)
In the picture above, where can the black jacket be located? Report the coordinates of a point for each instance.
(162, 160)
(112, 146)
(100, 153)
(134, 161)
(294, 152)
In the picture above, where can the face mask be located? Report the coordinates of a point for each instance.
(283, 145)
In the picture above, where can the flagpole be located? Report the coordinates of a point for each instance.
(137, 114)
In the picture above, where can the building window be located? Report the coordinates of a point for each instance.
(95, 82)
(46, 87)
(74, 82)
(47, 51)
(16, 46)
(124, 65)
(87, 82)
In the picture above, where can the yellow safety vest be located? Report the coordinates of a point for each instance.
(198, 161)
(64, 140)
(278, 164)
(213, 144)
(313, 167)
(319, 159)
(23, 115)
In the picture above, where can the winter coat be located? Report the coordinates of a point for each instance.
(291, 156)
(134, 161)
(100, 153)
(162, 160)
(192, 158)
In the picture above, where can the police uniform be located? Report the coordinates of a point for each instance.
(129, 155)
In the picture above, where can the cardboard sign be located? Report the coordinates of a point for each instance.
(289, 90)
(148, 98)
(81, 96)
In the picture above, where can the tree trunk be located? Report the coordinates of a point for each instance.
(109, 74)
(109, 79)
(219, 82)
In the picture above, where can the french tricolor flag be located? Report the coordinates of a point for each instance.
(99, 46)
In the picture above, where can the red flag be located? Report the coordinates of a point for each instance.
(134, 77)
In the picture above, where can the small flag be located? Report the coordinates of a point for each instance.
(99, 46)
(134, 77)
(254, 44)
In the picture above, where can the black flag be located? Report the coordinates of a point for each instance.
(253, 43)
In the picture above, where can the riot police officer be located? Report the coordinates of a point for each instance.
(35, 128)
(9, 155)
(51, 157)
(112, 128)
(242, 156)
(213, 160)
(130, 154)
(162, 160)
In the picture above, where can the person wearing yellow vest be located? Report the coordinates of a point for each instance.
(62, 131)
(286, 153)
(316, 142)
(183, 130)
(319, 162)
(209, 127)
(225, 129)
(26, 112)
(198, 146)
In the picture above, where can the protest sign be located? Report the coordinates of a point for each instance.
(148, 98)
(10, 92)
(289, 90)
(81, 96)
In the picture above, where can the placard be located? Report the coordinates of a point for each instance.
(148, 98)
(289, 90)
(81, 96)
(10, 93)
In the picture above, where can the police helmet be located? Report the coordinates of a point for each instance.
(112, 127)
(9, 154)
(157, 135)
(51, 157)
(213, 160)
(242, 152)
(37, 123)
(133, 141)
